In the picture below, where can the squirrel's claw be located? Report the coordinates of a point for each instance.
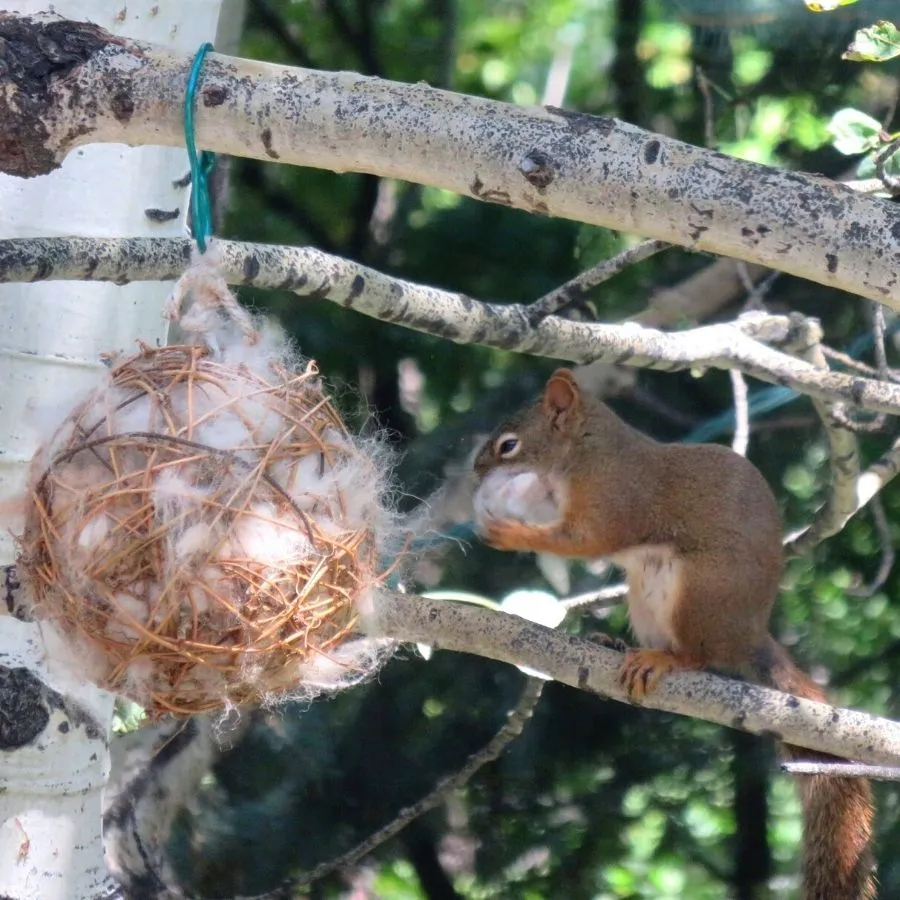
(604, 640)
(642, 670)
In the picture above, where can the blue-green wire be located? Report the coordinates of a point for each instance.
(766, 400)
(201, 163)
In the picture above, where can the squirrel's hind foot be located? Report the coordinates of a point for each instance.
(642, 670)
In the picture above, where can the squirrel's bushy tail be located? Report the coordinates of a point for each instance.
(838, 863)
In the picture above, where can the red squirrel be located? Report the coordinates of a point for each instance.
(697, 530)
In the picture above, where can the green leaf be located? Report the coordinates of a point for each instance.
(827, 5)
(854, 131)
(877, 43)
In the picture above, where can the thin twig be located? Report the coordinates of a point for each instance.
(868, 485)
(756, 292)
(879, 330)
(843, 456)
(700, 295)
(891, 182)
(604, 598)
(709, 127)
(886, 545)
(575, 289)
(857, 424)
(848, 361)
(741, 413)
(843, 770)
(511, 729)
(868, 185)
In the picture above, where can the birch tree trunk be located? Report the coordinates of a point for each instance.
(54, 728)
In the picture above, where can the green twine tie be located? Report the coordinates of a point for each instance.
(201, 163)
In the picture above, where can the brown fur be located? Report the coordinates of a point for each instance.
(697, 530)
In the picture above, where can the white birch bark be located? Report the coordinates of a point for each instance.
(549, 161)
(54, 728)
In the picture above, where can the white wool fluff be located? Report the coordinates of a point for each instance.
(525, 497)
(260, 535)
(210, 521)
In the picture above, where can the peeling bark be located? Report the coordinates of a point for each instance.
(34, 56)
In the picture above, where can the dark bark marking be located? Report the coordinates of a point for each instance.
(583, 675)
(214, 95)
(122, 104)
(539, 170)
(250, 269)
(266, 138)
(43, 269)
(162, 215)
(23, 708)
(356, 289)
(652, 151)
(581, 123)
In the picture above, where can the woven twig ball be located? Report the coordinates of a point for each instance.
(201, 528)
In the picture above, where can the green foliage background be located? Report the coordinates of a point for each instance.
(596, 799)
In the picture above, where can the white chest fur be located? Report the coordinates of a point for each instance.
(654, 583)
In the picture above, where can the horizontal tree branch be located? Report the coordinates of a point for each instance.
(449, 315)
(583, 664)
(65, 84)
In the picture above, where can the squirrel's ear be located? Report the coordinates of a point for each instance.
(562, 397)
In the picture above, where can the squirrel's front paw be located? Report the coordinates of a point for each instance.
(504, 534)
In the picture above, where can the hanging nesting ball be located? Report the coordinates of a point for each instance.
(202, 527)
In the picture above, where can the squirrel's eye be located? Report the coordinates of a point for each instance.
(507, 446)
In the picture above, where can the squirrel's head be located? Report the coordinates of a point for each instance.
(536, 435)
(518, 468)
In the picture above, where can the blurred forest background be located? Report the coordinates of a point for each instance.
(596, 799)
